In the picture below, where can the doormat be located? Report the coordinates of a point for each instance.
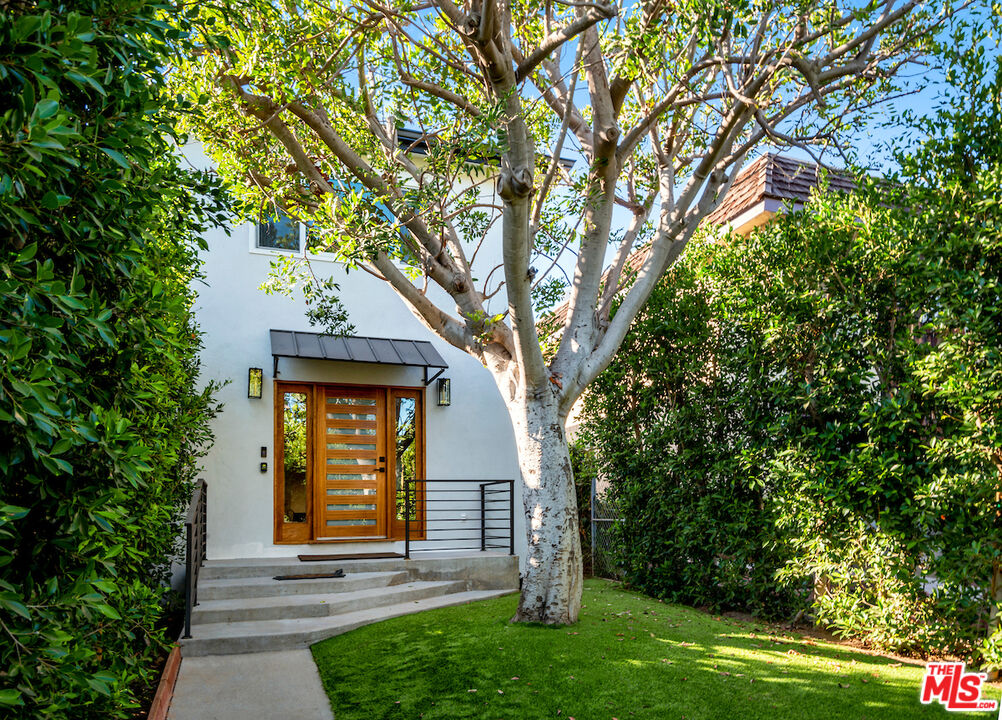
(349, 556)
(339, 573)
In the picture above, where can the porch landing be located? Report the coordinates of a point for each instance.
(243, 609)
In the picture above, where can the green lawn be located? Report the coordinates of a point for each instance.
(628, 657)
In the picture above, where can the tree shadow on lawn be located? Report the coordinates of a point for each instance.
(629, 657)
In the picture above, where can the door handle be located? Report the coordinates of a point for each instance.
(382, 469)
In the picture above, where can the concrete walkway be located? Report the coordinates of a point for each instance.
(259, 686)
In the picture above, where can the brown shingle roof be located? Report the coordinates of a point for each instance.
(746, 192)
(777, 178)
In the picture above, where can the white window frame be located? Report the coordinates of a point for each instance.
(252, 235)
(300, 252)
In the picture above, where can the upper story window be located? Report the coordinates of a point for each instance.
(281, 233)
(278, 233)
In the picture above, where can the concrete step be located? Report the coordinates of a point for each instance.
(267, 635)
(482, 570)
(269, 567)
(321, 605)
(421, 565)
(256, 587)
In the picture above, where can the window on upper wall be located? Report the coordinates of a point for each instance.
(278, 233)
(365, 210)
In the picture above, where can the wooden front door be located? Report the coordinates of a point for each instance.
(352, 497)
(344, 455)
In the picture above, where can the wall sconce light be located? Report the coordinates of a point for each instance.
(444, 392)
(255, 381)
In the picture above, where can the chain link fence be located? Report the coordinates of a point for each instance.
(604, 514)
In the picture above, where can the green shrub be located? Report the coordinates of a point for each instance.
(821, 403)
(892, 500)
(894, 528)
(103, 419)
(673, 422)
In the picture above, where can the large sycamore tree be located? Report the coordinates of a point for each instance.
(658, 103)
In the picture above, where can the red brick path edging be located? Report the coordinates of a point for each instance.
(165, 690)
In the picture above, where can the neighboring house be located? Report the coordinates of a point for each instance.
(769, 185)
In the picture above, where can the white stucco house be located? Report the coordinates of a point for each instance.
(324, 443)
(319, 435)
(350, 478)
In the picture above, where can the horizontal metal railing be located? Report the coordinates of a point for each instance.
(459, 514)
(194, 556)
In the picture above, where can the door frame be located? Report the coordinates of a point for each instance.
(306, 533)
(395, 527)
(287, 532)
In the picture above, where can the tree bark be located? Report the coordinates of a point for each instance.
(552, 582)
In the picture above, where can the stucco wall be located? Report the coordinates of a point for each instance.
(472, 438)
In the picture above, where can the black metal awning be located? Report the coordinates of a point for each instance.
(355, 348)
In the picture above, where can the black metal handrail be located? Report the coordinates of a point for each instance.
(194, 555)
(492, 501)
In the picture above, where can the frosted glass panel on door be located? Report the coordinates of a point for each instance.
(353, 459)
(351, 416)
(350, 431)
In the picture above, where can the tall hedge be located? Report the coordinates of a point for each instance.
(678, 421)
(103, 421)
(812, 415)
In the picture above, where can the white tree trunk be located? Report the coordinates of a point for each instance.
(552, 583)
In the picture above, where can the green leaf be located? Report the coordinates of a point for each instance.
(10, 696)
(16, 607)
(61, 464)
(100, 686)
(52, 201)
(14, 512)
(27, 253)
(72, 302)
(117, 157)
(46, 108)
(107, 611)
(82, 79)
(26, 25)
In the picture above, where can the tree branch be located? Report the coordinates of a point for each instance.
(560, 37)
